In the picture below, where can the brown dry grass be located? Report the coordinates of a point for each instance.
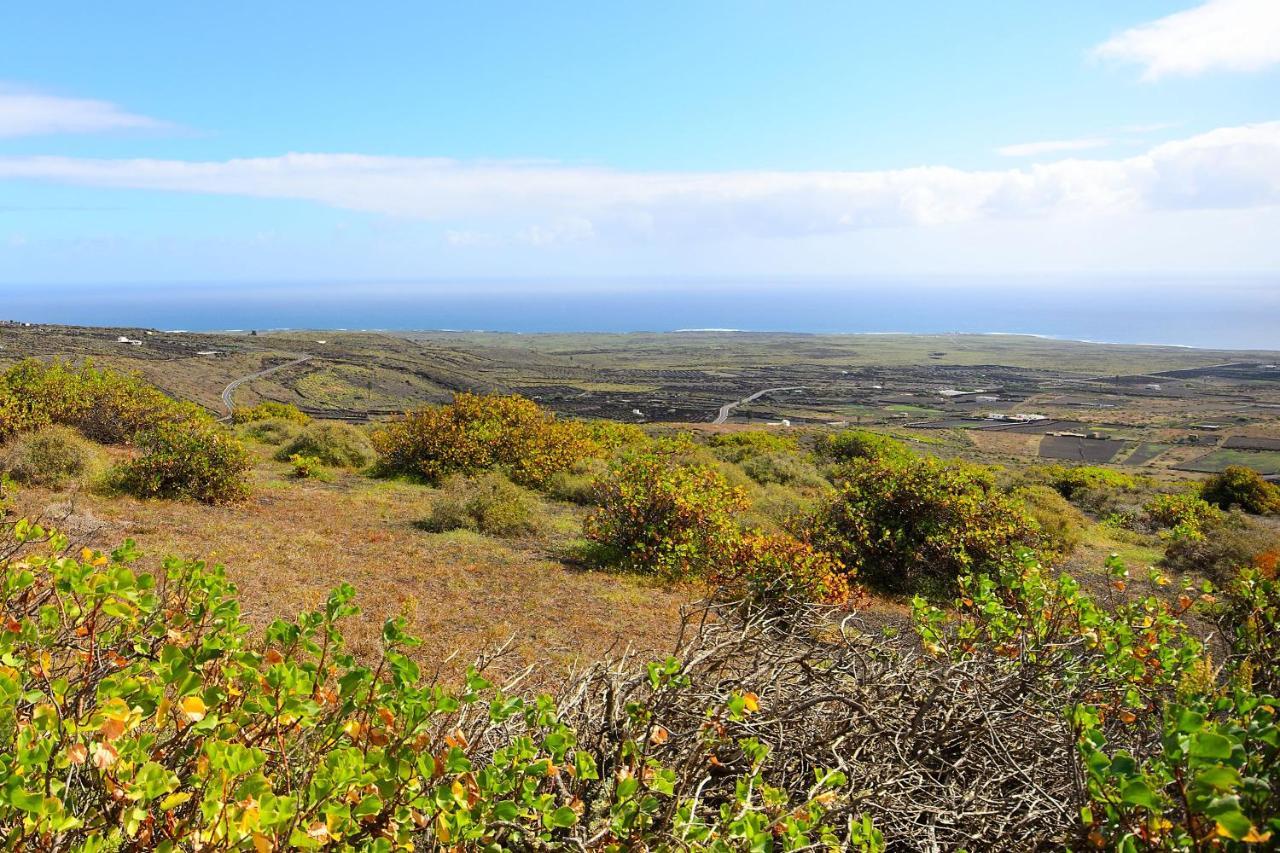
(294, 540)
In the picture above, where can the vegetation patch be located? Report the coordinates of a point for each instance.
(49, 456)
(198, 461)
(916, 525)
(270, 410)
(477, 433)
(489, 503)
(668, 519)
(333, 443)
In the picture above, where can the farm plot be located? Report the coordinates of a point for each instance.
(1095, 451)
(1251, 442)
(1144, 453)
(1262, 461)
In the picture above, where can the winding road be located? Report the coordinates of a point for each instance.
(231, 388)
(727, 408)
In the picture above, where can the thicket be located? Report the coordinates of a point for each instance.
(478, 433)
(657, 516)
(191, 460)
(850, 444)
(140, 712)
(274, 431)
(183, 452)
(912, 524)
(1244, 488)
(334, 443)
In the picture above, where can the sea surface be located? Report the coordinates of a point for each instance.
(1231, 312)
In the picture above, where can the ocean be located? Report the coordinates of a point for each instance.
(1230, 312)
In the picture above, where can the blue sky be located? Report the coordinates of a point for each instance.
(265, 141)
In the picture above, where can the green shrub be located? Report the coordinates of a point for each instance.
(477, 433)
(1183, 513)
(671, 520)
(334, 443)
(273, 431)
(578, 484)
(50, 456)
(850, 444)
(915, 524)
(271, 410)
(780, 508)
(1242, 487)
(739, 446)
(196, 460)
(1059, 525)
(1072, 480)
(489, 503)
(786, 469)
(143, 713)
(104, 406)
(305, 467)
(1219, 556)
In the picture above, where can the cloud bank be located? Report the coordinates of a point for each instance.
(25, 113)
(540, 203)
(1228, 35)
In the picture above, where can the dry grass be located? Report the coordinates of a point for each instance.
(289, 544)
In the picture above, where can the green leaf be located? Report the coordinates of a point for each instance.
(562, 818)
(1138, 793)
(1210, 745)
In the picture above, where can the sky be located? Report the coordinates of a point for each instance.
(287, 141)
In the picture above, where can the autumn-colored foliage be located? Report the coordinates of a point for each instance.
(655, 516)
(917, 523)
(477, 433)
(777, 567)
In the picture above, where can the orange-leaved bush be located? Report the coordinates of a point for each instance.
(655, 516)
(478, 432)
(767, 567)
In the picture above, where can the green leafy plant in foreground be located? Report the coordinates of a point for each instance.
(137, 712)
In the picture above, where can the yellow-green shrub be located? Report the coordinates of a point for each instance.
(334, 443)
(659, 518)
(739, 446)
(269, 409)
(1060, 526)
(479, 432)
(775, 567)
(105, 406)
(916, 524)
(275, 431)
(195, 460)
(850, 444)
(49, 456)
(1242, 487)
(489, 503)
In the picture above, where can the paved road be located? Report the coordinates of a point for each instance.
(728, 408)
(231, 388)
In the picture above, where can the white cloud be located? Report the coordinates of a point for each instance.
(1053, 146)
(542, 204)
(25, 113)
(1230, 35)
